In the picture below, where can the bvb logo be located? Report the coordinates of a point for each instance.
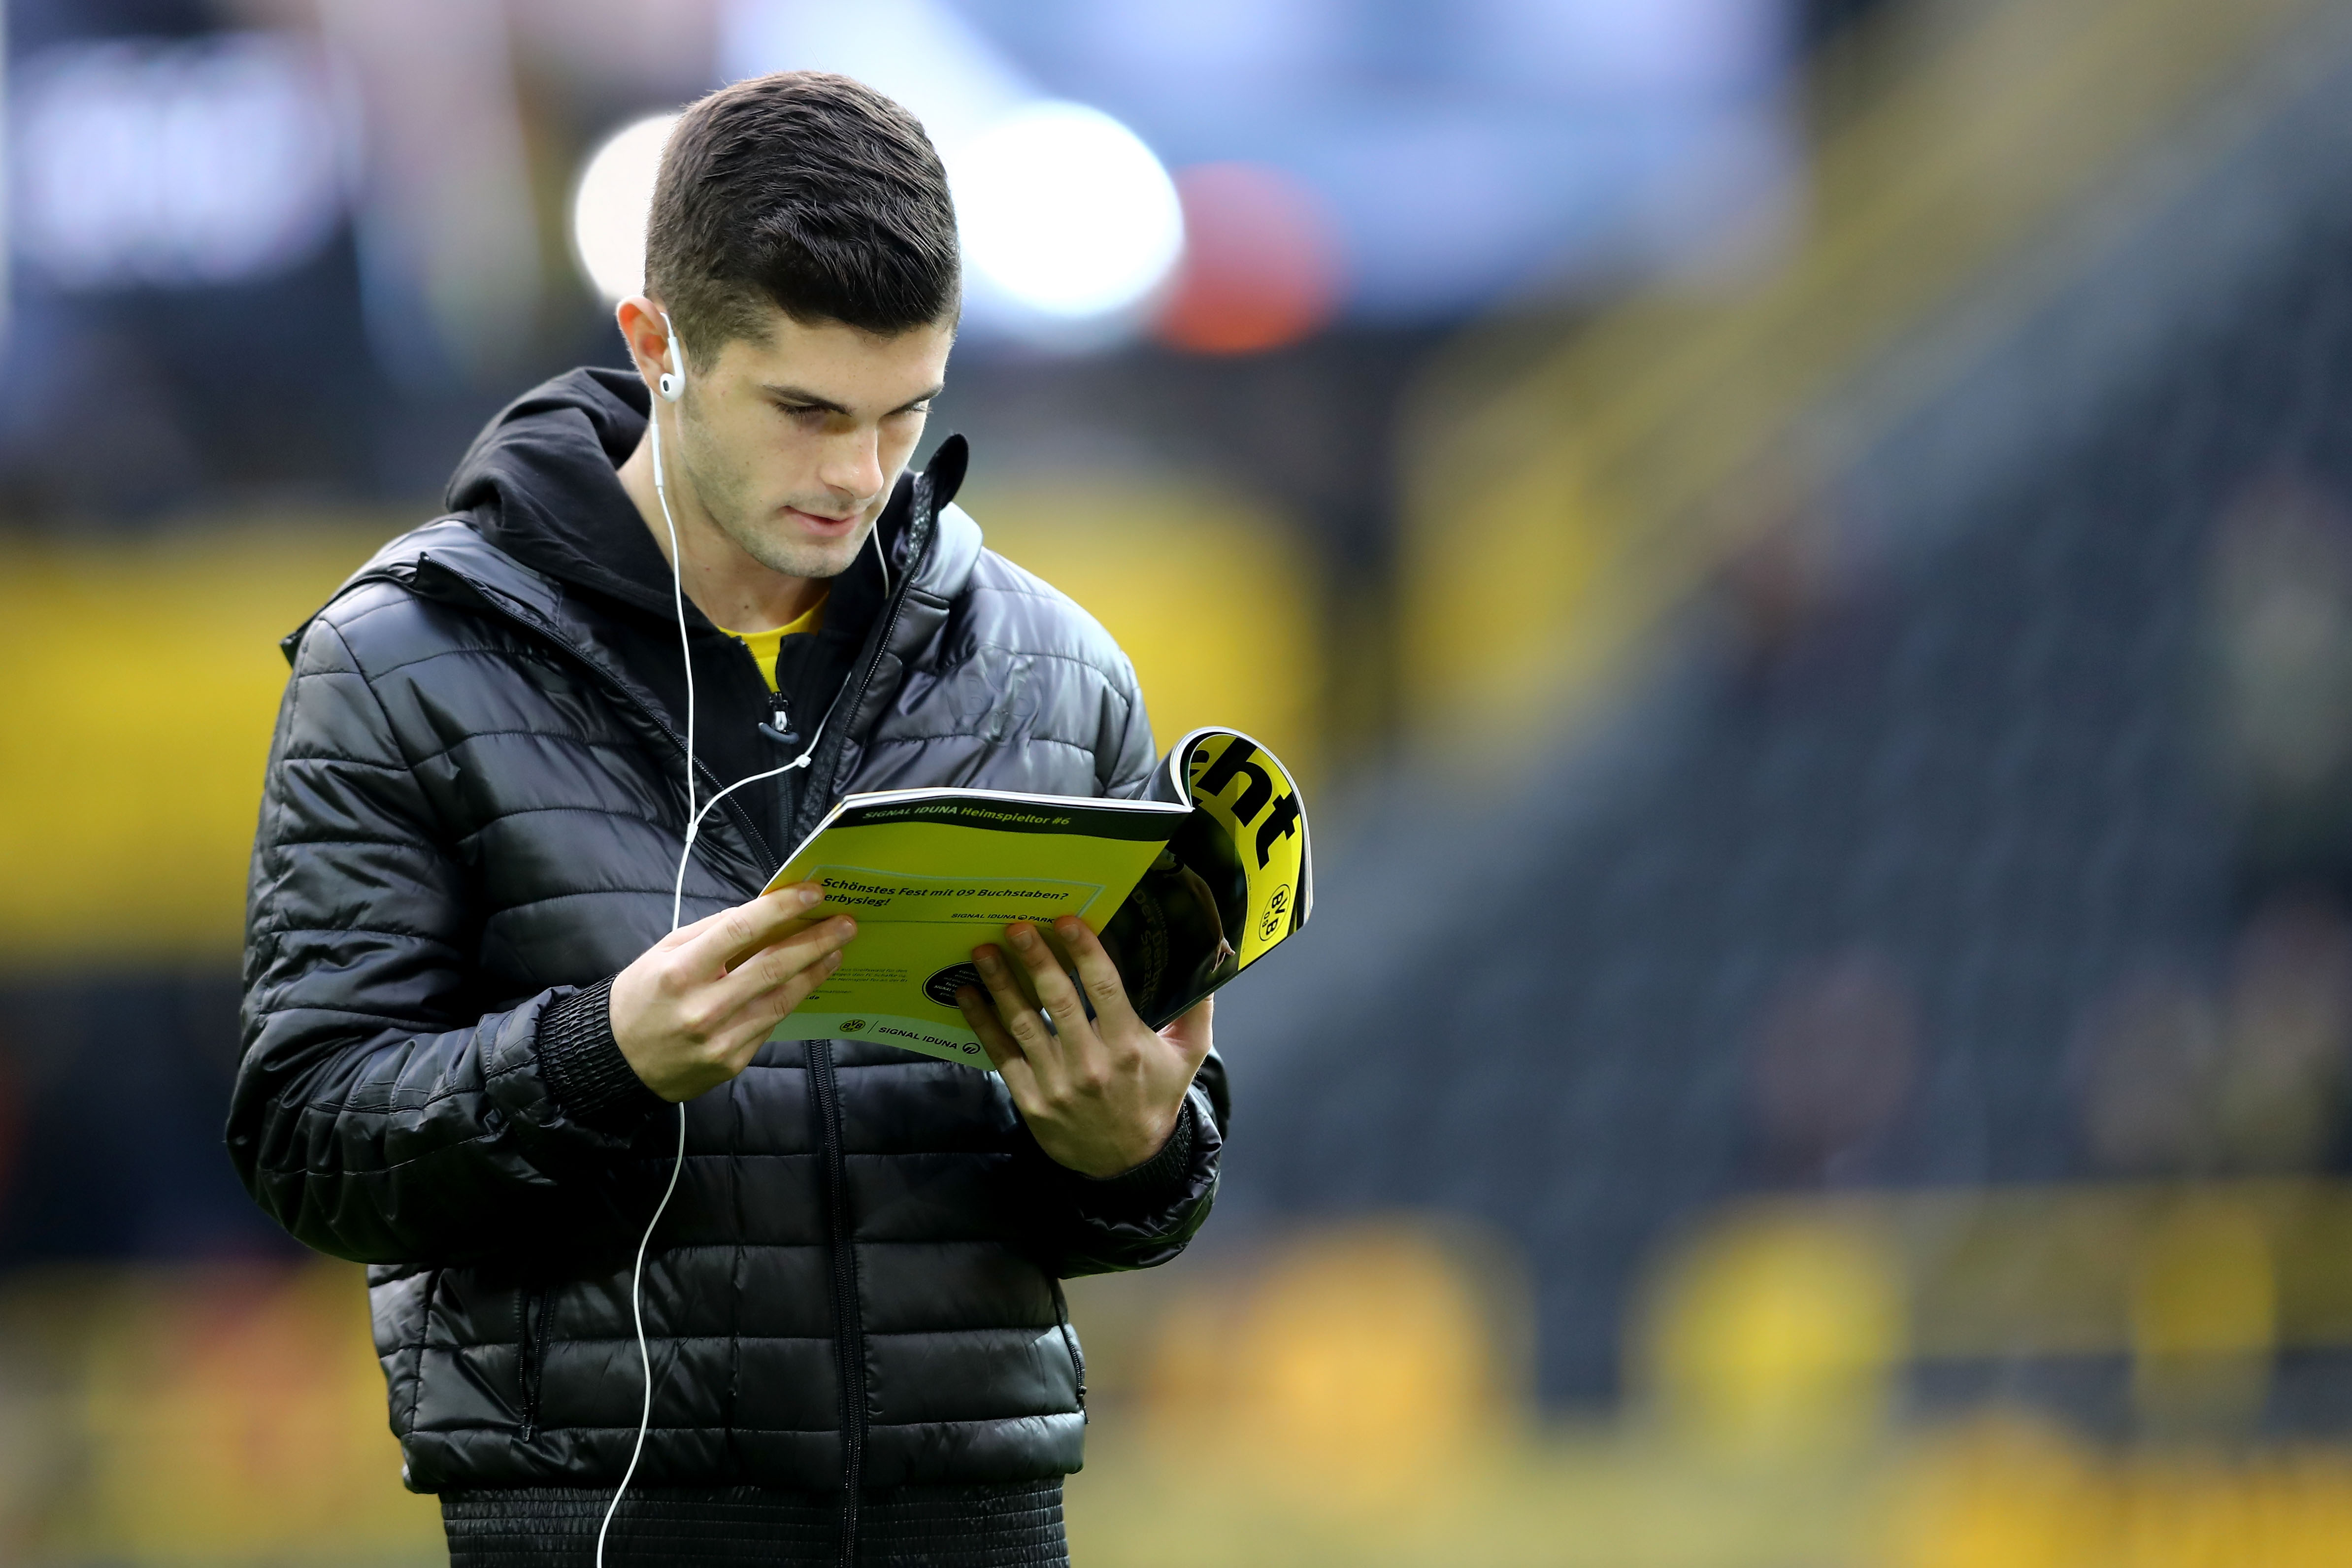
(851, 1025)
(1269, 925)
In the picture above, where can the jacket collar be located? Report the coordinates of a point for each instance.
(538, 510)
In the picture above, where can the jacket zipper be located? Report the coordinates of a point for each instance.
(1070, 1343)
(850, 1334)
(922, 526)
(534, 1356)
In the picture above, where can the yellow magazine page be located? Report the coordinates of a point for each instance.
(929, 875)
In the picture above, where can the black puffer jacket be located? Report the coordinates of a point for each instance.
(474, 810)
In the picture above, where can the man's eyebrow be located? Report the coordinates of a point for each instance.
(800, 397)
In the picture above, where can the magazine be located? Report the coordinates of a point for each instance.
(1188, 886)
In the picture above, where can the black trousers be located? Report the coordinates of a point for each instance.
(1017, 1525)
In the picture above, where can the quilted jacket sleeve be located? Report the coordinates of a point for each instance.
(378, 1114)
(1145, 1216)
(1129, 757)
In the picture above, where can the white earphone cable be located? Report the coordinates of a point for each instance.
(645, 1353)
(685, 648)
(677, 890)
(694, 819)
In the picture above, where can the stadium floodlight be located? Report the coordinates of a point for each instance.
(1066, 216)
(609, 205)
(1066, 212)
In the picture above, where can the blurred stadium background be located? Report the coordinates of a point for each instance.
(1803, 550)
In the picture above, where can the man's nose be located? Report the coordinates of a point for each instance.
(853, 466)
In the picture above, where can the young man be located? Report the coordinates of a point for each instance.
(471, 1026)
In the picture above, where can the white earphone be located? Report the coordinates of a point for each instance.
(672, 380)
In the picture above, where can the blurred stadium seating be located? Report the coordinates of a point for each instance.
(1947, 843)
(1942, 736)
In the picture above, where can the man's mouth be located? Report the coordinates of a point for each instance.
(817, 523)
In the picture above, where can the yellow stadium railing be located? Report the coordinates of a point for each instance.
(144, 675)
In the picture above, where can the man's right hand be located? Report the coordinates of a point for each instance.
(693, 1009)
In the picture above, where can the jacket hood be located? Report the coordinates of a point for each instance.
(541, 483)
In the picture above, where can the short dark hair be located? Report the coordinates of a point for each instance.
(807, 191)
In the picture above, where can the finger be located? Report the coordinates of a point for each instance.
(760, 1017)
(782, 962)
(1001, 1046)
(749, 1029)
(1004, 1051)
(778, 915)
(1043, 971)
(1055, 992)
(711, 945)
(732, 935)
(1008, 990)
(687, 932)
(1098, 975)
(1015, 1010)
(1016, 976)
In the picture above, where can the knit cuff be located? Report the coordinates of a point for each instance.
(592, 1081)
(1154, 1184)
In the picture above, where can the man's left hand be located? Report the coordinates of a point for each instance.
(1101, 1095)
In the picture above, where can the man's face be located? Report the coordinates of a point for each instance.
(792, 442)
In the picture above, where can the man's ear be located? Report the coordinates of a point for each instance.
(643, 329)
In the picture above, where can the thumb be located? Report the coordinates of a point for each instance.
(1192, 1033)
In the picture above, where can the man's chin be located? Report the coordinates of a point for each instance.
(806, 558)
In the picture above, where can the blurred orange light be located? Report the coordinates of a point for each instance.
(1262, 262)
